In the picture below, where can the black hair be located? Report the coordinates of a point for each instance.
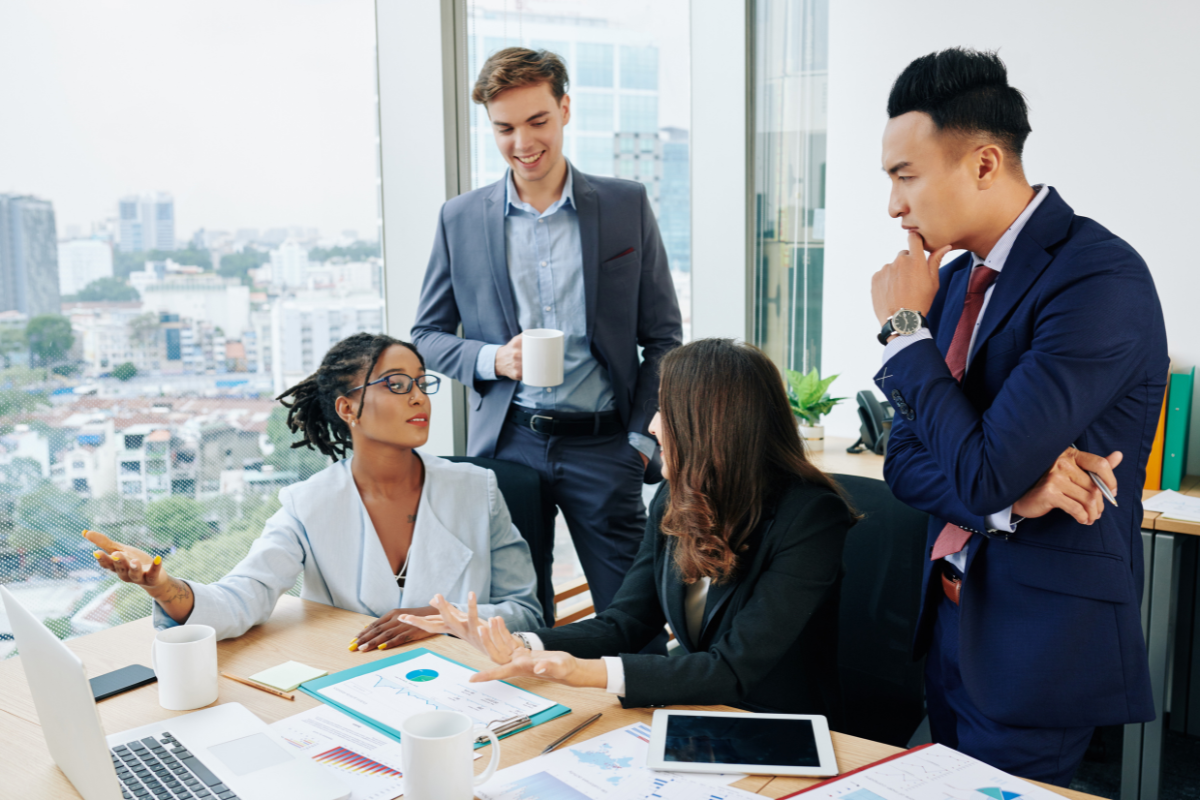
(964, 91)
(313, 410)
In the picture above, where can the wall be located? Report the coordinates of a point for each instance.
(1114, 110)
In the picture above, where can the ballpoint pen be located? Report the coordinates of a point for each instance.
(1101, 485)
(572, 732)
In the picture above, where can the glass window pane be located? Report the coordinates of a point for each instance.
(592, 112)
(175, 293)
(639, 67)
(639, 113)
(593, 65)
(594, 154)
(791, 42)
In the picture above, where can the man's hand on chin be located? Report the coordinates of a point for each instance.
(911, 281)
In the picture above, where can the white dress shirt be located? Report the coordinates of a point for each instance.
(1001, 520)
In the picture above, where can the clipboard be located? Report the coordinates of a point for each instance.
(313, 689)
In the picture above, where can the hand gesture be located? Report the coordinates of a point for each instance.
(911, 281)
(1068, 487)
(129, 564)
(389, 631)
(508, 359)
(454, 622)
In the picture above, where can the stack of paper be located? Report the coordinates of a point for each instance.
(1174, 505)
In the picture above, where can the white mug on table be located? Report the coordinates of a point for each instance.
(185, 660)
(542, 357)
(436, 748)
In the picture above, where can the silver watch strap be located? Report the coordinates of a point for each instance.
(524, 641)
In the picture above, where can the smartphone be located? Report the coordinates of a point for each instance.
(120, 680)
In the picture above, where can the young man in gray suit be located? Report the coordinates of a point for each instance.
(550, 247)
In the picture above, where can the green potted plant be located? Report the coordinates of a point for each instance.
(810, 400)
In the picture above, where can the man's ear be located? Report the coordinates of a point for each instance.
(565, 105)
(989, 161)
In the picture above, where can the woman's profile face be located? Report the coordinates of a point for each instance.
(656, 427)
(389, 418)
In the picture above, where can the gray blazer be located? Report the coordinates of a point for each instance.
(628, 291)
(464, 541)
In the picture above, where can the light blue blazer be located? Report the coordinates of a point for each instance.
(464, 541)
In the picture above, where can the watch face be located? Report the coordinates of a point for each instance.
(906, 322)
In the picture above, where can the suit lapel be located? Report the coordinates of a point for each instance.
(493, 234)
(587, 208)
(672, 590)
(1027, 260)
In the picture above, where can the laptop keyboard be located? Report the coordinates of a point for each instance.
(157, 769)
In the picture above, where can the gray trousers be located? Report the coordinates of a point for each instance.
(597, 483)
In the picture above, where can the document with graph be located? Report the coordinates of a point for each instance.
(366, 761)
(932, 772)
(383, 694)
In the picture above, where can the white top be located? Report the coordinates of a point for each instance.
(463, 541)
(1001, 520)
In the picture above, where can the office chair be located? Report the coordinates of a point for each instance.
(883, 689)
(522, 491)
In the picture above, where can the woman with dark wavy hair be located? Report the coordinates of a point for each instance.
(742, 557)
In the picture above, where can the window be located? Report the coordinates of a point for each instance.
(593, 65)
(639, 113)
(592, 112)
(594, 154)
(639, 67)
(791, 62)
(175, 298)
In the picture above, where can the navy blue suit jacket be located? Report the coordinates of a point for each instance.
(1072, 349)
(628, 292)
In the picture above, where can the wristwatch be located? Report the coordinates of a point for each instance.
(524, 640)
(904, 322)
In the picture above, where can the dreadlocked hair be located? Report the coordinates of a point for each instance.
(312, 409)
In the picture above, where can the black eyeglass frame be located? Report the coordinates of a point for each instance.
(428, 384)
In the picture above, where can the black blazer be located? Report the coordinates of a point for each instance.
(769, 639)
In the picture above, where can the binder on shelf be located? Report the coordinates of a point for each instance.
(1179, 418)
(1154, 467)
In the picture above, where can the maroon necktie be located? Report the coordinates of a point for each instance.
(952, 539)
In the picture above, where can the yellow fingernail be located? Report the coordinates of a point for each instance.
(97, 555)
(352, 647)
(383, 646)
(158, 559)
(116, 556)
(85, 533)
(355, 639)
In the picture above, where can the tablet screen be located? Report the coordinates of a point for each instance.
(741, 739)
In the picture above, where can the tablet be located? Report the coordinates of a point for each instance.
(749, 744)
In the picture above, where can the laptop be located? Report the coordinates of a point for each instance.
(218, 753)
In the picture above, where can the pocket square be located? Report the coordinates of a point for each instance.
(622, 254)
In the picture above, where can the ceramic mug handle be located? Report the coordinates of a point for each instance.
(495, 761)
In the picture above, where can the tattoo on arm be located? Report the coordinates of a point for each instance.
(412, 518)
(179, 592)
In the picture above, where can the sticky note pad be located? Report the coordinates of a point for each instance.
(286, 677)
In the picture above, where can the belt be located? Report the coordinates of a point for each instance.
(558, 423)
(951, 584)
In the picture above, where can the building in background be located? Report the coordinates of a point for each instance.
(289, 264)
(303, 329)
(146, 222)
(28, 256)
(223, 302)
(675, 199)
(81, 261)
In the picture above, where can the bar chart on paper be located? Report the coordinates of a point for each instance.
(368, 763)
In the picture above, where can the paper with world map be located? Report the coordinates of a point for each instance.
(611, 766)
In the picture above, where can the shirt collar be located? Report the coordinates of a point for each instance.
(513, 202)
(999, 253)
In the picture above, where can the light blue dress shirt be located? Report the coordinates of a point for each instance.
(545, 266)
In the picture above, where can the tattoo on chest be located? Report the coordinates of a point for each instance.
(412, 518)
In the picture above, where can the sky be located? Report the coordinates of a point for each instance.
(254, 114)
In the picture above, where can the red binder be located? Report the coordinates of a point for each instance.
(828, 781)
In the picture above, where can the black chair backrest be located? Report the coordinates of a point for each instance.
(882, 687)
(522, 490)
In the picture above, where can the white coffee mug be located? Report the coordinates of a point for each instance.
(436, 749)
(542, 357)
(185, 660)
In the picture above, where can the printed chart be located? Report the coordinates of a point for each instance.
(609, 767)
(932, 773)
(427, 683)
(366, 761)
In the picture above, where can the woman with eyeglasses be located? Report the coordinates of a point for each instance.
(379, 531)
(742, 557)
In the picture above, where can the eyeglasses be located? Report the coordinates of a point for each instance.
(403, 384)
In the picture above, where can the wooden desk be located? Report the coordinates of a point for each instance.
(317, 635)
(835, 459)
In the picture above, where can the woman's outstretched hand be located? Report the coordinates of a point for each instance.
(512, 658)
(136, 566)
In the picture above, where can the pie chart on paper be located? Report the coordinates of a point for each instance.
(423, 675)
(996, 793)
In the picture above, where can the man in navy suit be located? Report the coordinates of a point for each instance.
(1011, 370)
(550, 247)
